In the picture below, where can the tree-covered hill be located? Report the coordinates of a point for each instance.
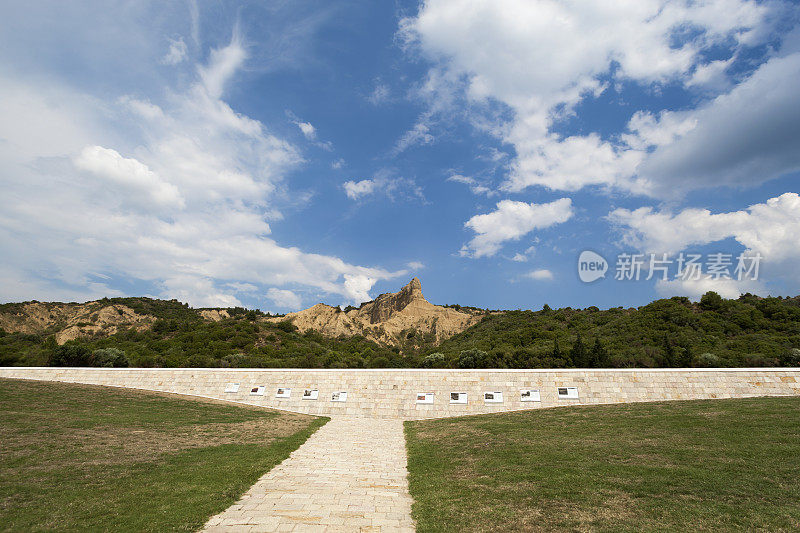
(749, 331)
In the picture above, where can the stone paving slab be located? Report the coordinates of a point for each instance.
(348, 476)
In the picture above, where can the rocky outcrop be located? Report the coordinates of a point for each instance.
(214, 315)
(388, 319)
(386, 305)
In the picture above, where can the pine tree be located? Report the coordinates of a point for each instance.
(598, 356)
(578, 353)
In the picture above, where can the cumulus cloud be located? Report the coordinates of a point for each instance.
(357, 189)
(540, 58)
(769, 229)
(511, 221)
(285, 298)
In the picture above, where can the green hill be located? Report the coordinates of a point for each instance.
(749, 331)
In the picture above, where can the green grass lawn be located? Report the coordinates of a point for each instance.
(81, 457)
(729, 465)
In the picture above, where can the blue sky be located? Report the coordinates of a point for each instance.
(279, 154)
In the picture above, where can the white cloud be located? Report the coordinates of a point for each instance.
(418, 134)
(415, 265)
(285, 298)
(357, 189)
(337, 164)
(380, 94)
(309, 131)
(770, 228)
(177, 52)
(357, 287)
(541, 274)
(474, 186)
(222, 66)
(541, 57)
(694, 289)
(511, 221)
(520, 258)
(133, 176)
(384, 182)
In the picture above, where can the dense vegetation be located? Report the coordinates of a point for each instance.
(749, 331)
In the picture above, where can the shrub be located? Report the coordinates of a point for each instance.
(790, 358)
(473, 359)
(434, 360)
(110, 357)
(708, 360)
(286, 325)
(70, 355)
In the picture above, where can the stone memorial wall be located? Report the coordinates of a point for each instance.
(430, 393)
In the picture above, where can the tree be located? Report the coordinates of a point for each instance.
(556, 349)
(710, 301)
(685, 358)
(598, 356)
(669, 353)
(578, 353)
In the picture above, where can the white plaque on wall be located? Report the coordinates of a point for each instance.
(530, 395)
(310, 394)
(493, 397)
(258, 391)
(458, 397)
(424, 397)
(340, 396)
(232, 387)
(568, 393)
(283, 393)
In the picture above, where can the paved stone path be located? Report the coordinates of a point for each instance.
(348, 476)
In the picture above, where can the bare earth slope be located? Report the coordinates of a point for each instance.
(387, 318)
(72, 321)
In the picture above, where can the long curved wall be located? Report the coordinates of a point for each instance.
(414, 394)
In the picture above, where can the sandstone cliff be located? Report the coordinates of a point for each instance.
(389, 319)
